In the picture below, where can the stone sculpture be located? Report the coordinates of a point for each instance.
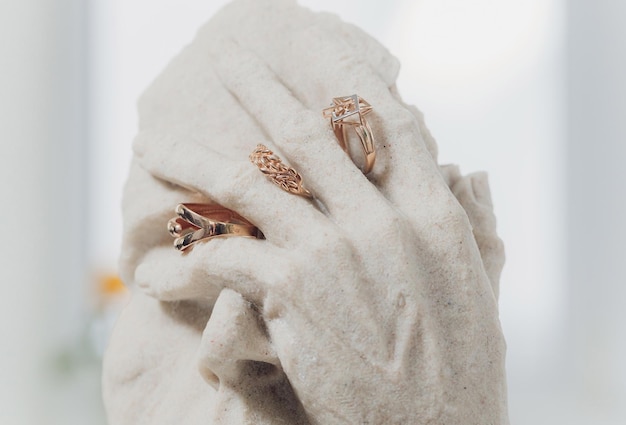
(373, 303)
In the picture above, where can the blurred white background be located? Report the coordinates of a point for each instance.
(533, 91)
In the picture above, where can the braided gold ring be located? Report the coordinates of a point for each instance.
(281, 175)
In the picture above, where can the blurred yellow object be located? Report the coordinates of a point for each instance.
(111, 285)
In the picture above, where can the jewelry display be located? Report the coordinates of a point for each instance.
(198, 222)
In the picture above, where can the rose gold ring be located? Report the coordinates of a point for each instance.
(350, 111)
(272, 166)
(196, 222)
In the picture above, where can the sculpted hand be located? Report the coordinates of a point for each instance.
(377, 304)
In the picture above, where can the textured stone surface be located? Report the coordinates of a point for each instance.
(376, 304)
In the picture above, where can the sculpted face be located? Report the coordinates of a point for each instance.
(237, 359)
(374, 302)
(164, 366)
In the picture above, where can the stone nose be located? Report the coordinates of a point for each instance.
(235, 348)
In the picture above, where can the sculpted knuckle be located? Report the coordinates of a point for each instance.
(388, 223)
(396, 224)
(336, 244)
(327, 245)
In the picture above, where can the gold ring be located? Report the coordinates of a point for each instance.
(351, 111)
(272, 166)
(196, 222)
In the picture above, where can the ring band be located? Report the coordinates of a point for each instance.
(272, 166)
(350, 111)
(196, 222)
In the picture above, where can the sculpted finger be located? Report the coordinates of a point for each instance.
(427, 137)
(316, 67)
(370, 50)
(237, 185)
(382, 62)
(188, 98)
(245, 265)
(302, 136)
(473, 194)
(147, 205)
